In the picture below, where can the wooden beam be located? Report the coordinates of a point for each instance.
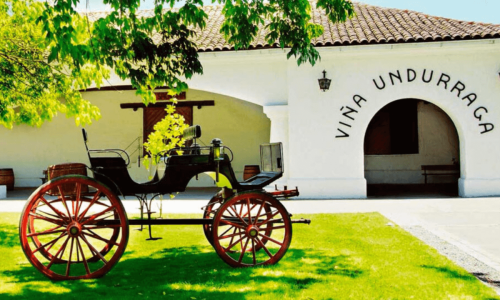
(199, 104)
(124, 87)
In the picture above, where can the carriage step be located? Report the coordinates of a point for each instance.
(285, 193)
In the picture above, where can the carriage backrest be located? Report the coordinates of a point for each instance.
(84, 133)
(271, 157)
(118, 155)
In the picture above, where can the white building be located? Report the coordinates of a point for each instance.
(406, 90)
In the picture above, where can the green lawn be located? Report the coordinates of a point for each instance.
(338, 256)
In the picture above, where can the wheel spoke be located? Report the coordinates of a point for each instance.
(40, 217)
(249, 211)
(70, 255)
(98, 237)
(234, 231)
(258, 213)
(270, 239)
(50, 231)
(227, 231)
(241, 240)
(238, 215)
(83, 257)
(265, 248)
(102, 203)
(253, 252)
(93, 217)
(93, 250)
(269, 218)
(97, 196)
(58, 212)
(78, 202)
(223, 237)
(103, 218)
(51, 243)
(58, 252)
(243, 251)
(231, 223)
(46, 214)
(233, 244)
(63, 200)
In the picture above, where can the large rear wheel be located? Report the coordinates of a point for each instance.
(73, 227)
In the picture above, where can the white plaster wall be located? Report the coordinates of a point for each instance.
(241, 125)
(257, 76)
(30, 150)
(438, 145)
(329, 167)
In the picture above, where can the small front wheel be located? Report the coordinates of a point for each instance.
(209, 212)
(242, 227)
(73, 227)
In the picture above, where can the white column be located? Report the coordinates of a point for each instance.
(279, 133)
(3, 192)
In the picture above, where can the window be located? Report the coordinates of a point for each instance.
(393, 130)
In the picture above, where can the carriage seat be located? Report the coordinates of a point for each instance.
(271, 164)
(263, 178)
(100, 157)
(108, 162)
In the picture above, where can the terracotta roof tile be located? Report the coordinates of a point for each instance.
(370, 25)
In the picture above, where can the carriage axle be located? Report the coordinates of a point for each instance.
(179, 222)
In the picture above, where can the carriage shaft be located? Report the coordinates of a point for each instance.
(182, 221)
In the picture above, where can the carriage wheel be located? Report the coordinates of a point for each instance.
(61, 232)
(242, 227)
(32, 228)
(209, 213)
(211, 209)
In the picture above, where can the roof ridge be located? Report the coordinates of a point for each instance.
(371, 24)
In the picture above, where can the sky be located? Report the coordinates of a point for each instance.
(485, 11)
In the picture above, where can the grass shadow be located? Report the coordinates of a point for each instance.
(454, 274)
(9, 235)
(187, 272)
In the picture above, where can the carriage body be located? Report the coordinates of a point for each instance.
(75, 227)
(181, 168)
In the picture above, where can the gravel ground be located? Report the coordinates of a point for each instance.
(482, 271)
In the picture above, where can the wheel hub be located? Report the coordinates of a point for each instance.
(74, 229)
(252, 231)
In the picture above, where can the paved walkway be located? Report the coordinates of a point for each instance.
(466, 230)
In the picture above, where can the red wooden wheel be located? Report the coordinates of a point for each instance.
(75, 234)
(242, 228)
(57, 202)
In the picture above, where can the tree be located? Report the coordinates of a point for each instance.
(49, 51)
(32, 90)
(123, 42)
(167, 135)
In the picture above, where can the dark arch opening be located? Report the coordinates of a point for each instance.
(404, 138)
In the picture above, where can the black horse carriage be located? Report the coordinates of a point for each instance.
(75, 227)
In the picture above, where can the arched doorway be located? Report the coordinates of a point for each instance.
(404, 138)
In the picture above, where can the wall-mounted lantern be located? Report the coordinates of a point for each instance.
(324, 83)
